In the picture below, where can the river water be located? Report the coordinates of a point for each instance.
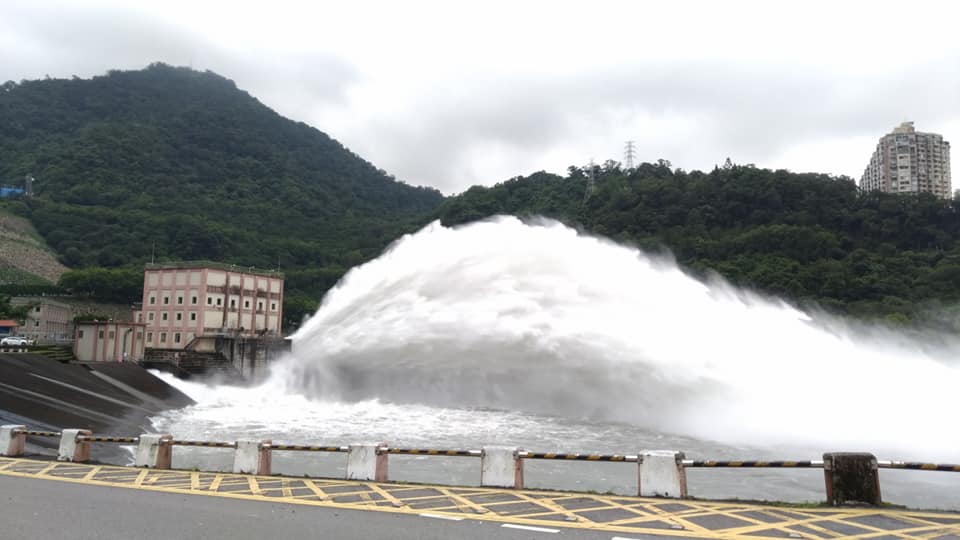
(535, 335)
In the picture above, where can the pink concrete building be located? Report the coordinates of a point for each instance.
(108, 341)
(192, 305)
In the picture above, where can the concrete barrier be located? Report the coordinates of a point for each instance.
(72, 449)
(12, 440)
(154, 451)
(501, 466)
(367, 461)
(253, 457)
(851, 477)
(661, 474)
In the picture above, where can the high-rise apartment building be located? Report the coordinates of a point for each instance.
(909, 161)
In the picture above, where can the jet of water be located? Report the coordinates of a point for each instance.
(537, 317)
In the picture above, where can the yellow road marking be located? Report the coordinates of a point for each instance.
(254, 485)
(141, 477)
(317, 491)
(458, 501)
(386, 495)
(462, 501)
(93, 472)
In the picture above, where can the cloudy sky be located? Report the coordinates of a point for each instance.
(451, 94)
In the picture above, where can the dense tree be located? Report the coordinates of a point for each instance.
(806, 237)
(170, 163)
(175, 163)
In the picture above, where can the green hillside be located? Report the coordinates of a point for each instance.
(806, 237)
(179, 164)
(183, 163)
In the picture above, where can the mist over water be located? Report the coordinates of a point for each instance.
(532, 334)
(538, 318)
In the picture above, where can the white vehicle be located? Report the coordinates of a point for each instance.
(16, 341)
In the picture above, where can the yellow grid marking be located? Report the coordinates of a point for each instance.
(312, 486)
(386, 495)
(48, 468)
(93, 472)
(141, 477)
(698, 518)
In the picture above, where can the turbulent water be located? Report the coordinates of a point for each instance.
(536, 335)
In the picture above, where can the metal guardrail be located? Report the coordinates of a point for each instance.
(209, 444)
(746, 464)
(578, 457)
(432, 452)
(93, 438)
(522, 454)
(42, 433)
(307, 448)
(919, 466)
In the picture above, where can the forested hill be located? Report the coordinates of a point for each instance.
(179, 164)
(182, 164)
(806, 237)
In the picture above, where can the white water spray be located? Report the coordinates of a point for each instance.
(539, 319)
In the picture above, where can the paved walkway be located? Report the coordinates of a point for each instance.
(548, 511)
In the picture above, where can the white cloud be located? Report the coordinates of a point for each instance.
(451, 94)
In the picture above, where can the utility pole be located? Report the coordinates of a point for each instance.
(629, 153)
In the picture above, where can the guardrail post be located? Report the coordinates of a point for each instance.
(253, 457)
(367, 461)
(851, 477)
(154, 451)
(12, 440)
(501, 466)
(661, 474)
(72, 448)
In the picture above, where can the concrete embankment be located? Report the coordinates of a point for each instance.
(106, 398)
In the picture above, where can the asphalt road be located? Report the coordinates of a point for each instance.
(51, 510)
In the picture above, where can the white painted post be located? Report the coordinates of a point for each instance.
(72, 449)
(661, 474)
(12, 440)
(501, 466)
(367, 461)
(253, 457)
(154, 451)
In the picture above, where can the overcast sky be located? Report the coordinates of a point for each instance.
(451, 94)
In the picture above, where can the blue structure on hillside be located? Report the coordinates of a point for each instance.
(7, 192)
